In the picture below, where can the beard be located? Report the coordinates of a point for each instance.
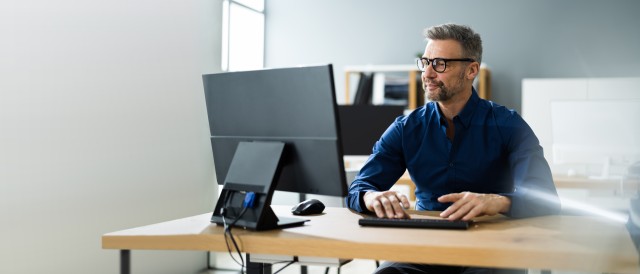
(444, 92)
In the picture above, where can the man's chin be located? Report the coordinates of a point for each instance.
(432, 95)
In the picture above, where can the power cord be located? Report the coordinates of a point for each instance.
(249, 201)
(228, 235)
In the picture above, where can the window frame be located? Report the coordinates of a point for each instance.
(226, 60)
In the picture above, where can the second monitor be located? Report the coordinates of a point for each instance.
(362, 125)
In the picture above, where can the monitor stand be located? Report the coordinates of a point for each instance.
(254, 169)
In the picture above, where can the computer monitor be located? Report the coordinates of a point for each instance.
(273, 129)
(596, 137)
(362, 125)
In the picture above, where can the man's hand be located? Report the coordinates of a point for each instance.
(467, 205)
(388, 204)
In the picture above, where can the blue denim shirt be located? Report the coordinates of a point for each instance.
(493, 151)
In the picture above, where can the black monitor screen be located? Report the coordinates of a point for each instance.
(295, 106)
(362, 125)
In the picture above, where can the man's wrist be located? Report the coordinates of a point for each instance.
(363, 205)
(504, 202)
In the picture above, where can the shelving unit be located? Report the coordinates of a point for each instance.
(412, 70)
(484, 82)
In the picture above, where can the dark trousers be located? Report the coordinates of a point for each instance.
(407, 268)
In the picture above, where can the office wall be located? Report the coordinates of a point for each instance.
(522, 39)
(102, 128)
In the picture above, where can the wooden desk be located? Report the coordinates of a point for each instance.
(552, 242)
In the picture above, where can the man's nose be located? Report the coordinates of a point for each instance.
(429, 72)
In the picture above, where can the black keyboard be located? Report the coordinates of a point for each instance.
(415, 223)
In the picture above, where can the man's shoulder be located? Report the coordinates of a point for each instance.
(500, 112)
(425, 110)
(415, 119)
(420, 114)
(507, 120)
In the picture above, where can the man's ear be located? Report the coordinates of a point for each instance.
(472, 70)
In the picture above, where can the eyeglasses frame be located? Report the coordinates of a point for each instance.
(433, 61)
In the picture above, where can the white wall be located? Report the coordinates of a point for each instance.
(522, 39)
(539, 94)
(102, 128)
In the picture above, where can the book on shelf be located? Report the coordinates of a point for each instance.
(378, 88)
(365, 90)
(396, 90)
(385, 89)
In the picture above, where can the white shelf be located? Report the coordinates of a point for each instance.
(380, 68)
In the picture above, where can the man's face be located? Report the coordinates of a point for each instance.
(443, 86)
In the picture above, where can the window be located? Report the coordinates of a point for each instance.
(242, 35)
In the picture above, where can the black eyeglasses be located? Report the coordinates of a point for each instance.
(438, 64)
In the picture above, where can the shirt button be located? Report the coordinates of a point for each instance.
(450, 164)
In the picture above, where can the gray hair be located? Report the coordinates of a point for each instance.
(469, 40)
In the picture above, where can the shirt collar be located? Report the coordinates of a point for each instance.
(469, 108)
(467, 111)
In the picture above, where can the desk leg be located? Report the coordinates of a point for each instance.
(125, 261)
(257, 268)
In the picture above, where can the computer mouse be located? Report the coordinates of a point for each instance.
(308, 207)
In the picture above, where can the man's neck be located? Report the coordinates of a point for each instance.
(453, 106)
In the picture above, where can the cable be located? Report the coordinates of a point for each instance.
(247, 203)
(285, 266)
(229, 235)
(227, 230)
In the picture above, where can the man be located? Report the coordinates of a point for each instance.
(467, 156)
